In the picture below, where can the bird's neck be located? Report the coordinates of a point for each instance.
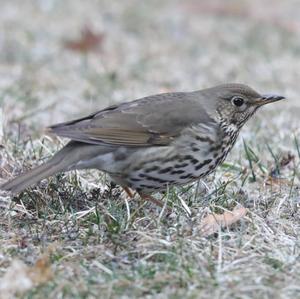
(230, 131)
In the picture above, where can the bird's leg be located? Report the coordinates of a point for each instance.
(146, 197)
(129, 192)
(149, 198)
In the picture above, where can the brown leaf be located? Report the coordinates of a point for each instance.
(41, 272)
(276, 181)
(88, 41)
(213, 222)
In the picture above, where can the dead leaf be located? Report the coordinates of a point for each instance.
(213, 222)
(41, 272)
(276, 181)
(88, 41)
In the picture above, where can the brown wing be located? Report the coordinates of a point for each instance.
(153, 120)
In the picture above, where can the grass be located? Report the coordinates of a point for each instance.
(75, 234)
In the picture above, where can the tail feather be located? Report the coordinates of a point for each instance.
(64, 160)
(61, 161)
(31, 177)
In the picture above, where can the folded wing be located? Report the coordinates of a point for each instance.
(154, 120)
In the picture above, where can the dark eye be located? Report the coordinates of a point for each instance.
(238, 101)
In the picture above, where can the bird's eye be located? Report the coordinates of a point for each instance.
(238, 101)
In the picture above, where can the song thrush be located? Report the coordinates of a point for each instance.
(154, 142)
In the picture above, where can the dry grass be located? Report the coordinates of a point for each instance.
(75, 235)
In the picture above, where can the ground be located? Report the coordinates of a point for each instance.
(76, 235)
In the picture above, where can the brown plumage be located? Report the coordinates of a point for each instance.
(157, 141)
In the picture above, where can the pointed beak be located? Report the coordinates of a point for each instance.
(268, 98)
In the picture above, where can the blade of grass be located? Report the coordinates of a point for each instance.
(248, 155)
(297, 145)
(277, 164)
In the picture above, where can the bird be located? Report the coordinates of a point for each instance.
(151, 143)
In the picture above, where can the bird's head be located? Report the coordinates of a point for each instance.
(236, 103)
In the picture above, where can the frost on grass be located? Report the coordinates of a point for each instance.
(106, 245)
(20, 278)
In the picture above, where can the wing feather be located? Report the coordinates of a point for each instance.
(154, 120)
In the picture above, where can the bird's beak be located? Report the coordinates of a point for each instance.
(268, 98)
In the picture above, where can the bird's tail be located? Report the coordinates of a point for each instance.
(61, 161)
(31, 177)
